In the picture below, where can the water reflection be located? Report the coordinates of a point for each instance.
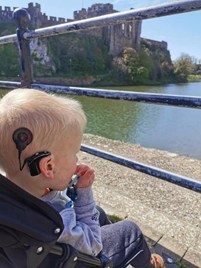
(110, 118)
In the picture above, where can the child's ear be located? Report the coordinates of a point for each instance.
(47, 166)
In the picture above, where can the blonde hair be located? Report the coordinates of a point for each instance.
(50, 118)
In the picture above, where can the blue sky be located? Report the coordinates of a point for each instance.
(182, 32)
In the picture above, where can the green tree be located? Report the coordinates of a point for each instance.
(184, 65)
(129, 67)
(9, 61)
(75, 54)
(156, 58)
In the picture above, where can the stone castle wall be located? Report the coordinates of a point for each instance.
(94, 11)
(161, 44)
(116, 36)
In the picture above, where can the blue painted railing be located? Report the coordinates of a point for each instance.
(23, 36)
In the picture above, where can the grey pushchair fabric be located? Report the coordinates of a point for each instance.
(29, 229)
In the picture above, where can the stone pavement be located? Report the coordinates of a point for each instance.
(169, 215)
(175, 253)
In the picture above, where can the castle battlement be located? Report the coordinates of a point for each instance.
(6, 9)
(31, 5)
(93, 11)
(161, 44)
(38, 19)
(5, 13)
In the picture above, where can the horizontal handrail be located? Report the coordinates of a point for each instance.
(163, 99)
(165, 9)
(150, 170)
(10, 84)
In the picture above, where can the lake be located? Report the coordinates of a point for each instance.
(174, 129)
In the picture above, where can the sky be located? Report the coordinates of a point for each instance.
(182, 32)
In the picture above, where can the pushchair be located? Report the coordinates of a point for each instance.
(29, 229)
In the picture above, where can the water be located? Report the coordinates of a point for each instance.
(174, 129)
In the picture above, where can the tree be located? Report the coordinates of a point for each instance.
(9, 61)
(184, 65)
(129, 67)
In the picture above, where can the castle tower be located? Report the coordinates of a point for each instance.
(116, 36)
(124, 35)
(36, 15)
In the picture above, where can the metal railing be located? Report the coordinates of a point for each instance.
(24, 36)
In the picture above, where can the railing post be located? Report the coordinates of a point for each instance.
(22, 18)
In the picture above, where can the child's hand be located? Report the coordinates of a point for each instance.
(86, 176)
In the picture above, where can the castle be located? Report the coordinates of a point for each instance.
(117, 36)
(126, 34)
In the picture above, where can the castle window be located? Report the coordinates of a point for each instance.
(123, 26)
